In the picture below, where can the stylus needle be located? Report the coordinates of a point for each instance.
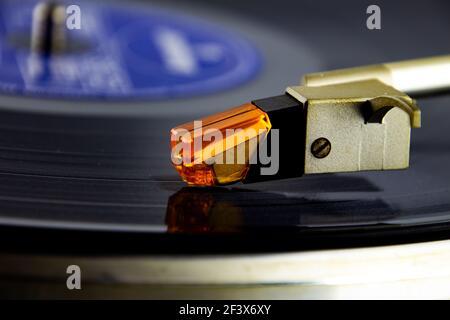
(337, 121)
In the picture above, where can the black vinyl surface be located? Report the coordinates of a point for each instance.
(96, 178)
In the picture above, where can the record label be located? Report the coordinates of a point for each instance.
(124, 52)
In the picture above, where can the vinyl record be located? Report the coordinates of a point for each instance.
(84, 155)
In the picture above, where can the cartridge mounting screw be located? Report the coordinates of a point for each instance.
(321, 148)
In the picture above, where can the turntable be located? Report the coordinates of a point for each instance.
(87, 181)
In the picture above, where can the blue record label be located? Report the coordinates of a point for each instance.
(120, 51)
